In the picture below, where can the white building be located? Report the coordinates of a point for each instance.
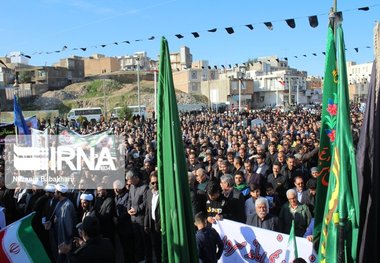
(18, 58)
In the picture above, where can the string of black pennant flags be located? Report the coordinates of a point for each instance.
(291, 22)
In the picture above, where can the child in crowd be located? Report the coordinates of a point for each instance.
(209, 243)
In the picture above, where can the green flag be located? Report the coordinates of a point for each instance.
(339, 235)
(292, 243)
(177, 225)
(327, 135)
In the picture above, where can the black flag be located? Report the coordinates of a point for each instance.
(368, 171)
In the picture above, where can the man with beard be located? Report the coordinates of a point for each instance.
(64, 221)
(86, 201)
(262, 218)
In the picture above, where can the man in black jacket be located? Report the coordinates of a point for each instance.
(234, 197)
(93, 248)
(152, 222)
(104, 209)
(122, 220)
(136, 209)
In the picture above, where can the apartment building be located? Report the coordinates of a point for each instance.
(359, 78)
(130, 62)
(75, 66)
(100, 64)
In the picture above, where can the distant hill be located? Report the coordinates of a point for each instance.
(96, 92)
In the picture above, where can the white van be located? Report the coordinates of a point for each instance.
(91, 114)
(135, 110)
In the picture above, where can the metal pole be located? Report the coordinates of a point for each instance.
(290, 91)
(209, 90)
(138, 86)
(239, 94)
(104, 102)
(277, 96)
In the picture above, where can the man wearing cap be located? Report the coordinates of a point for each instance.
(64, 221)
(86, 201)
(313, 175)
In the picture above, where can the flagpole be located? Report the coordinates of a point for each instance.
(340, 221)
(15, 93)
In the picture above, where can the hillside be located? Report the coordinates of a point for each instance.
(109, 92)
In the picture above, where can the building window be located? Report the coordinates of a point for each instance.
(243, 84)
(194, 75)
(212, 75)
(234, 85)
(194, 87)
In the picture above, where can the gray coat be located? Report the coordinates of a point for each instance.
(64, 221)
(137, 200)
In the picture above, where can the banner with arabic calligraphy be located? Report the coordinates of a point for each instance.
(5, 130)
(244, 243)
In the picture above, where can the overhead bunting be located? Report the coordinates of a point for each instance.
(230, 30)
(249, 26)
(269, 25)
(291, 22)
(195, 34)
(363, 8)
(313, 22)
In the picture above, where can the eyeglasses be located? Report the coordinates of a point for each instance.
(153, 183)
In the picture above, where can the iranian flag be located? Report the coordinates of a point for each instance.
(19, 243)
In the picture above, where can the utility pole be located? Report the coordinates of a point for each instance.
(155, 92)
(104, 96)
(239, 80)
(138, 84)
(290, 91)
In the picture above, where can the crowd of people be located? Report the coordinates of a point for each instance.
(262, 175)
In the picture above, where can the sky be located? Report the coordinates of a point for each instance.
(43, 26)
